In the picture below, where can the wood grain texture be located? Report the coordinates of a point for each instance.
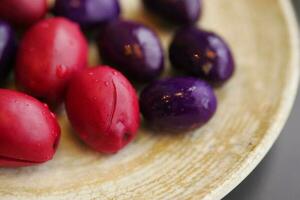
(203, 164)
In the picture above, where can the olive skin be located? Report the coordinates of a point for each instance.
(29, 132)
(50, 53)
(177, 104)
(23, 13)
(8, 46)
(180, 12)
(203, 54)
(88, 13)
(132, 48)
(102, 106)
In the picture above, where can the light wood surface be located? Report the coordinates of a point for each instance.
(204, 164)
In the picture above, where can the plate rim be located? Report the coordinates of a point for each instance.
(287, 101)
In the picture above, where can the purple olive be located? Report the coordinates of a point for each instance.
(88, 13)
(178, 104)
(177, 11)
(202, 54)
(7, 49)
(132, 48)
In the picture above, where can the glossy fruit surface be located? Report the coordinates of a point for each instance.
(22, 12)
(202, 53)
(29, 132)
(178, 104)
(132, 48)
(50, 52)
(103, 108)
(177, 11)
(7, 49)
(88, 13)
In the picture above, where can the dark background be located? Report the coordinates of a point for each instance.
(278, 176)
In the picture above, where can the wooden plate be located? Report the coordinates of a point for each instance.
(206, 163)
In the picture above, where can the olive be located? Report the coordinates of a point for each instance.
(88, 13)
(178, 104)
(180, 12)
(203, 54)
(132, 48)
(102, 107)
(29, 131)
(7, 49)
(50, 52)
(23, 13)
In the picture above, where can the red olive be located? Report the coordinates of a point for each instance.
(29, 132)
(50, 52)
(103, 108)
(23, 12)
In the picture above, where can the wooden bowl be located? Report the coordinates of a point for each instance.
(206, 163)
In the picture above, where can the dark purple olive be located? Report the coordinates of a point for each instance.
(88, 13)
(178, 104)
(7, 49)
(132, 48)
(202, 54)
(177, 11)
